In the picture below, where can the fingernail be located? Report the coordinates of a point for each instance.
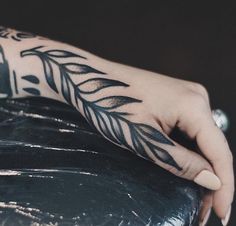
(226, 219)
(208, 180)
(206, 218)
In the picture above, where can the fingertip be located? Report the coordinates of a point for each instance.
(208, 180)
(206, 208)
(225, 220)
(204, 221)
(221, 203)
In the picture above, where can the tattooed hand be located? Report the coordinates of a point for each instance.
(133, 108)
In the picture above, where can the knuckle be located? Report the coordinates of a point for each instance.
(197, 101)
(191, 165)
(194, 111)
(173, 170)
(188, 169)
(184, 172)
(200, 89)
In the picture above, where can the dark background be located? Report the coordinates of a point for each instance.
(192, 41)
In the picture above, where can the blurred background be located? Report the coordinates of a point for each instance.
(184, 39)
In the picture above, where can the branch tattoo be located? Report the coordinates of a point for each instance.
(102, 113)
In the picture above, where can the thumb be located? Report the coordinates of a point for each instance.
(185, 163)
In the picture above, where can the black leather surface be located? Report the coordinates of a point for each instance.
(55, 170)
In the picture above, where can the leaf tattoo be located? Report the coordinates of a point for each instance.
(62, 54)
(93, 85)
(32, 91)
(49, 75)
(15, 35)
(80, 69)
(31, 78)
(34, 80)
(102, 113)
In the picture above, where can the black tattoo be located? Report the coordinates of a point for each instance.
(15, 82)
(5, 86)
(34, 80)
(31, 78)
(32, 91)
(15, 35)
(102, 113)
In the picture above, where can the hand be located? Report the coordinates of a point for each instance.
(168, 103)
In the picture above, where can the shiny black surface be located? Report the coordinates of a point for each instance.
(55, 170)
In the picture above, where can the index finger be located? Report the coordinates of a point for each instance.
(214, 146)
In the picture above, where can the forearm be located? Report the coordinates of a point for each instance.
(36, 66)
(33, 65)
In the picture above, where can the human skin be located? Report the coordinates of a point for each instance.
(133, 108)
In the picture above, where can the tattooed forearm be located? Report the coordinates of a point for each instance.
(8, 80)
(103, 113)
